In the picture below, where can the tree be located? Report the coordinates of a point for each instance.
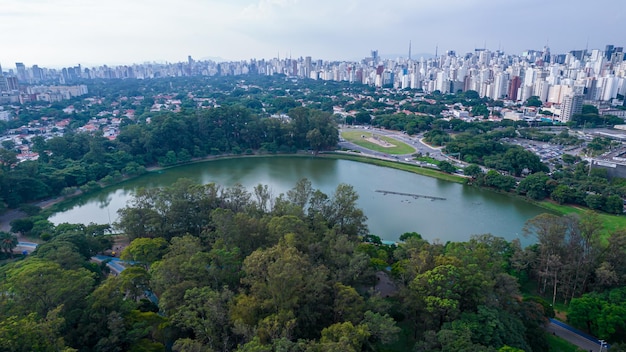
(60, 287)
(603, 315)
(562, 194)
(349, 305)
(473, 170)
(315, 139)
(205, 313)
(290, 295)
(382, 328)
(439, 293)
(8, 242)
(447, 167)
(595, 201)
(344, 337)
(63, 253)
(7, 159)
(499, 181)
(533, 101)
(31, 333)
(344, 213)
(535, 186)
(134, 282)
(190, 345)
(407, 235)
(363, 117)
(589, 109)
(301, 193)
(181, 263)
(471, 94)
(519, 160)
(22, 226)
(144, 250)
(480, 110)
(614, 204)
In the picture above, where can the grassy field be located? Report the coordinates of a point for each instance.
(557, 344)
(356, 138)
(611, 222)
(400, 166)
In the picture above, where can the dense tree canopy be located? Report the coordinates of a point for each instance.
(80, 160)
(230, 269)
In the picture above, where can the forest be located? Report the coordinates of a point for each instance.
(82, 161)
(210, 268)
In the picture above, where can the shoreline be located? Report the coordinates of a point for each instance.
(14, 214)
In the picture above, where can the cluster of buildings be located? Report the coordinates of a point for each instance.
(563, 82)
(18, 89)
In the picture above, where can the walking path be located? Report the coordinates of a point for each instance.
(574, 336)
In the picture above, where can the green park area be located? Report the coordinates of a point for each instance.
(400, 166)
(377, 142)
(611, 223)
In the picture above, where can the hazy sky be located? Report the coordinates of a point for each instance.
(54, 33)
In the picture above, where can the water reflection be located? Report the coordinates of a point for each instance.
(467, 210)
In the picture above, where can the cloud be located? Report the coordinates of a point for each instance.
(96, 31)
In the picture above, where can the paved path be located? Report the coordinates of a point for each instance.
(566, 332)
(115, 264)
(8, 216)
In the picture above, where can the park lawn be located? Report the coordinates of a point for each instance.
(610, 222)
(400, 166)
(399, 147)
(557, 344)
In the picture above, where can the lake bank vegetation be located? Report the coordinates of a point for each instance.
(226, 269)
(166, 122)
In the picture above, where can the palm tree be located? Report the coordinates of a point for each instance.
(8, 242)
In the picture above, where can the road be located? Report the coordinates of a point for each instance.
(569, 334)
(413, 141)
(8, 216)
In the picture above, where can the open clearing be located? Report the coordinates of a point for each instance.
(377, 142)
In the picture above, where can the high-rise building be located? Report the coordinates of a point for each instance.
(21, 72)
(37, 73)
(4, 85)
(608, 51)
(500, 85)
(514, 85)
(12, 83)
(374, 56)
(307, 66)
(578, 54)
(572, 105)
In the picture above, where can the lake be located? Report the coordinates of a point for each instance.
(465, 211)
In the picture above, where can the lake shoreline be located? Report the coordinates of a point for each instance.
(52, 205)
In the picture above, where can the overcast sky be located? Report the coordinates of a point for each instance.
(55, 33)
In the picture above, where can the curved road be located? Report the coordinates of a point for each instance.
(413, 141)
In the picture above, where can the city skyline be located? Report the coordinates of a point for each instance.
(69, 32)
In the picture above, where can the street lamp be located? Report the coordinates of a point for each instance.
(603, 345)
